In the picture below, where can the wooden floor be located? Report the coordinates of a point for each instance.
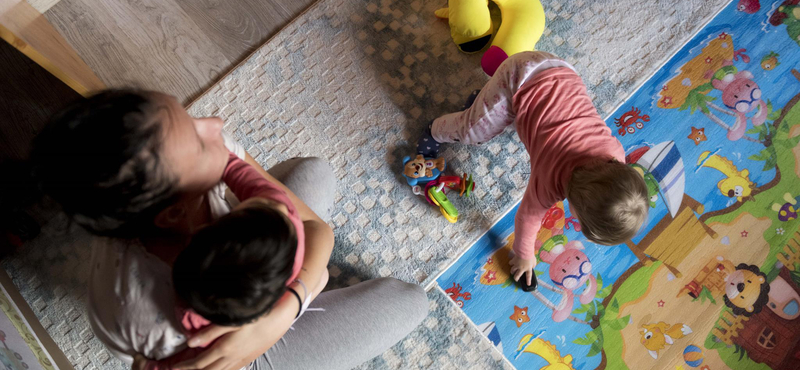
(176, 46)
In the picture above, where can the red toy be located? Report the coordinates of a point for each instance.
(464, 185)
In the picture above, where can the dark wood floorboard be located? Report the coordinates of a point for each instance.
(29, 95)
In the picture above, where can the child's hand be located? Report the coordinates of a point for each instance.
(139, 362)
(521, 266)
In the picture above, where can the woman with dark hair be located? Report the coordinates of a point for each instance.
(137, 170)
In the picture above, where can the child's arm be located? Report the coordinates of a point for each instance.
(526, 227)
(527, 224)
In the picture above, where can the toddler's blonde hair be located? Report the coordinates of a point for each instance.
(610, 199)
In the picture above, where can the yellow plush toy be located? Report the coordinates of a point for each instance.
(471, 28)
(470, 23)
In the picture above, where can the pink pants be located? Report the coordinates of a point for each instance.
(493, 108)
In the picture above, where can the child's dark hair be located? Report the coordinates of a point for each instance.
(100, 159)
(234, 270)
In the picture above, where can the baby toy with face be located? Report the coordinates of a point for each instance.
(420, 170)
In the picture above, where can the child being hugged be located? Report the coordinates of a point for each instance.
(236, 269)
(573, 154)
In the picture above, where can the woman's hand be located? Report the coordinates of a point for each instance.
(236, 347)
(521, 266)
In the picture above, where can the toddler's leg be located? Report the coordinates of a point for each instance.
(493, 108)
(471, 99)
(426, 145)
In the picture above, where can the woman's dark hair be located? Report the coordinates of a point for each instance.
(234, 270)
(100, 159)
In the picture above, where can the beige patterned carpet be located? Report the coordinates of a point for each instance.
(354, 82)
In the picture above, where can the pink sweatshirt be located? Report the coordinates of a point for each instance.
(561, 129)
(245, 182)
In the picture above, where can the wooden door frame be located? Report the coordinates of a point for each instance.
(27, 30)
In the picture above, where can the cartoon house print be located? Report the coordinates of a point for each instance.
(790, 255)
(711, 277)
(768, 336)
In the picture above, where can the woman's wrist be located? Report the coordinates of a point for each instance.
(285, 309)
(293, 292)
(302, 293)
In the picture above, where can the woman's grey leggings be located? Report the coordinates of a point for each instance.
(359, 322)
